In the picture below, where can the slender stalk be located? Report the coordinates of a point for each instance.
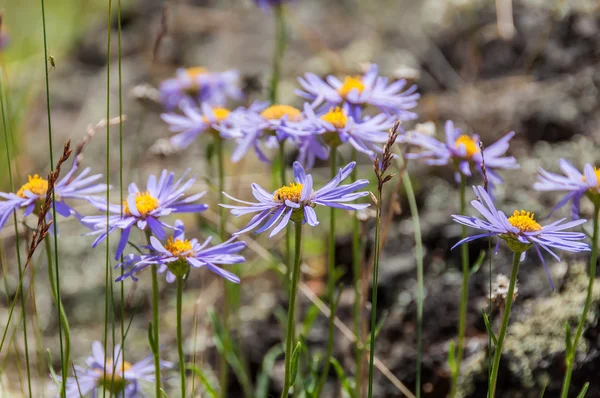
(278, 51)
(462, 317)
(122, 285)
(357, 271)
(289, 340)
(64, 351)
(330, 285)
(570, 357)
(155, 321)
(504, 326)
(107, 279)
(180, 335)
(414, 211)
(228, 293)
(62, 316)
(374, 291)
(4, 104)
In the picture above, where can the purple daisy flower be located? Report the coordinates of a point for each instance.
(359, 91)
(193, 122)
(262, 123)
(576, 183)
(33, 193)
(338, 127)
(179, 254)
(296, 201)
(464, 151)
(121, 378)
(193, 86)
(521, 231)
(145, 209)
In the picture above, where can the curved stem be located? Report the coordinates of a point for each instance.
(289, 340)
(357, 270)
(570, 356)
(504, 326)
(180, 335)
(155, 321)
(278, 51)
(330, 286)
(374, 291)
(462, 320)
(414, 211)
(62, 316)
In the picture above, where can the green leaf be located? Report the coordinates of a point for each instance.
(208, 388)
(378, 327)
(583, 390)
(311, 315)
(452, 358)
(488, 326)
(347, 383)
(228, 350)
(262, 381)
(151, 338)
(478, 262)
(52, 372)
(568, 341)
(294, 364)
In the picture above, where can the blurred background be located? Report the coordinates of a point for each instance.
(535, 72)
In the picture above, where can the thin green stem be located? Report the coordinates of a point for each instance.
(64, 351)
(357, 270)
(228, 294)
(570, 356)
(462, 317)
(278, 51)
(330, 285)
(374, 292)
(180, 335)
(62, 316)
(504, 326)
(4, 104)
(122, 285)
(289, 340)
(155, 321)
(107, 280)
(414, 211)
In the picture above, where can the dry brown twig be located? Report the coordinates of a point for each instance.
(43, 227)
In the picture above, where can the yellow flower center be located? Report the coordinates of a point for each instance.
(337, 117)
(597, 172)
(219, 113)
(115, 383)
(291, 192)
(36, 185)
(276, 112)
(178, 247)
(196, 71)
(144, 203)
(351, 83)
(471, 145)
(525, 221)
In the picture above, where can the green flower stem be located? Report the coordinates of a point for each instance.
(155, 322)
(330, 285)
(4, 103)
(289, 340)
(278, 51)
(229, 293)
(374, 291)
(357, 270)
(180, 335)
(570, 356)
(462, 320)
(504, 326)
(414, 211)
(62, 316)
